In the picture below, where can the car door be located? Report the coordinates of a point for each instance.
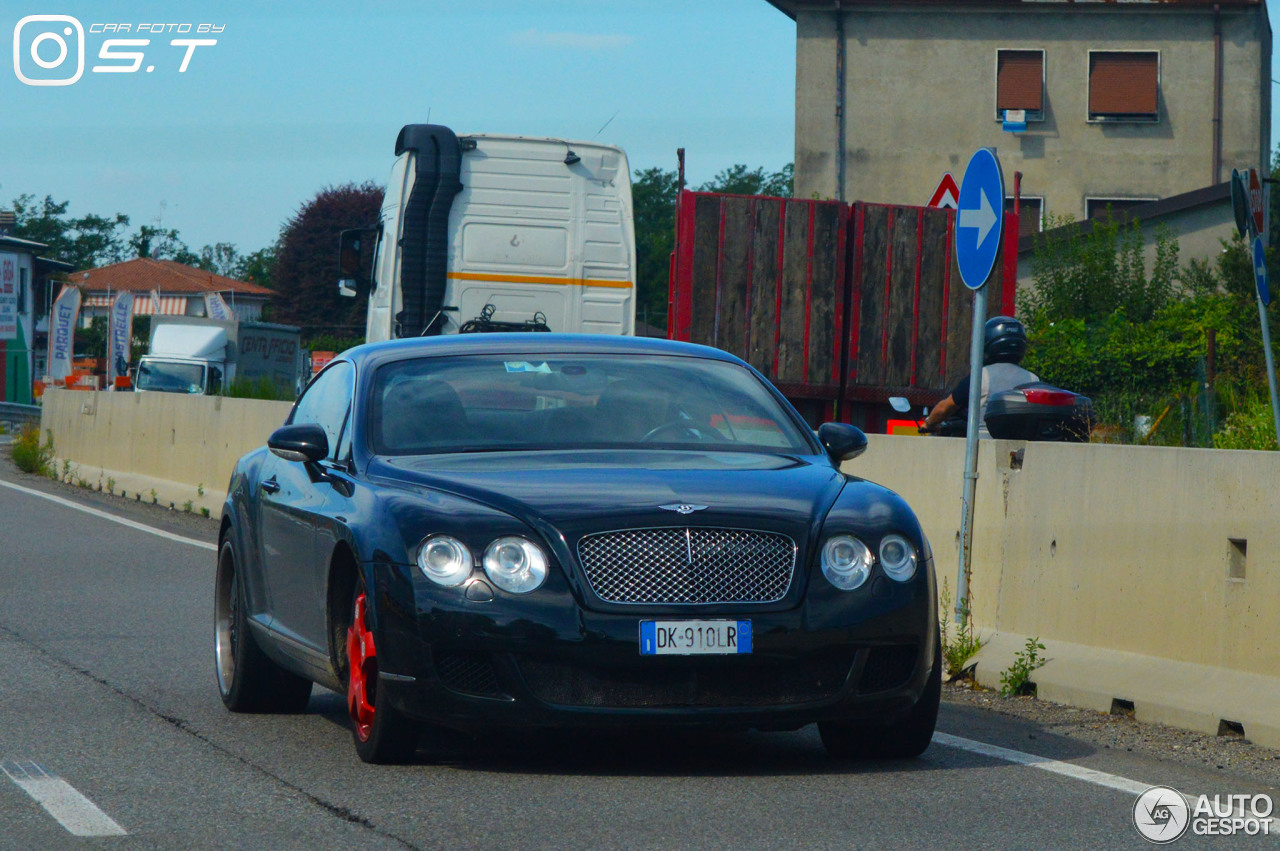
(294, 502)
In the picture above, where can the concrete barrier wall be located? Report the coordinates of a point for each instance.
(174, 444)
(1151, 574)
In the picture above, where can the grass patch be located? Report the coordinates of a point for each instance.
(30, 455)
(259, 388)
(959, 645)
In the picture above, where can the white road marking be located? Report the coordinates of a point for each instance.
(1044, 763)
(75, 812)
(1067, 769)
(132, 524)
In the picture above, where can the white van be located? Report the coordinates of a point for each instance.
(488, 232)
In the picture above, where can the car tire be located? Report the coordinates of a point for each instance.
(248, 680)
(382, 734)
(908, 737)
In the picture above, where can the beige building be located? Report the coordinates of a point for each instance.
(1124, 102)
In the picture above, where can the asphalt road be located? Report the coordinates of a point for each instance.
(109, 714)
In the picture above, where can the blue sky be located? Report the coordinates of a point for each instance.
(294, 97)
(299, 96)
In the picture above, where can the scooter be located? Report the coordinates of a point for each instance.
(1032, 411)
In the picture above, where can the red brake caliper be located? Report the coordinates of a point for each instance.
(362, 661)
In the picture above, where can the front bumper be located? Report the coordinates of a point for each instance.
(545, 661)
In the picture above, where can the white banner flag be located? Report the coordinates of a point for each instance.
(155, 302)
(120, 337)
(62, 332)
(215, 307)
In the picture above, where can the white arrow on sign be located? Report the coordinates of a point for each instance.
(1261, 270)
(983, 218)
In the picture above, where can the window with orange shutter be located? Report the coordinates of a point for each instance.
(1020, 82)
(1124, 86)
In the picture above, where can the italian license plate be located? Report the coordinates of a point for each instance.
(694, 638)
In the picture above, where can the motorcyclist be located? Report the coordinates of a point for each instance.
(1004, 344)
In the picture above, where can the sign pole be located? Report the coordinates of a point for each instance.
(979, 226)
(971, 453)
(1271, 366)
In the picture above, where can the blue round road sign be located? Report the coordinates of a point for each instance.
(1260, 270)
(980, 217)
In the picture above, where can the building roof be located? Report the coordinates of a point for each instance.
(1218, 194)
(790, 7)
(27, 245)
(145, 274)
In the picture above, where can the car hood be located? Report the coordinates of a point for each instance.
(567, 494)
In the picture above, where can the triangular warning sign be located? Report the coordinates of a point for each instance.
(947, 195)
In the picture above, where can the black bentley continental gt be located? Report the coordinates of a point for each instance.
(548, 531)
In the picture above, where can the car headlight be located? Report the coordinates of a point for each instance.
(515, 564)
(897, 557)
(846, 562)
(445, 561)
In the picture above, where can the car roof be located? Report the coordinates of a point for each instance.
(528, 343)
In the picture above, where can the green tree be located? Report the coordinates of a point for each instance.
(91, 342)
(1092, 275)
(1139, 343)
(306, 272)
(84, 242)
(221, 259)
(653, 200)
(740, 180)
(141, 341)
(256, 267)
(162, 244)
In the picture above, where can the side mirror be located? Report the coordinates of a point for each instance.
(899, 404)
(842, 441)
(304, 443)
(352, 244)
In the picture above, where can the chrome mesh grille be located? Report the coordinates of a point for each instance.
(688, 566)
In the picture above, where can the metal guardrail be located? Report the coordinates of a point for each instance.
(12, 412)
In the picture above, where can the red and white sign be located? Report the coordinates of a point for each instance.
(8, 296)
(319, 360)
(947, 195)
(1255, 199)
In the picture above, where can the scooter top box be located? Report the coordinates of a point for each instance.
(1039, 411)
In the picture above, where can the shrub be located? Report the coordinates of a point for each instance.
(1016, 679)
(331, 343)
(259, 388)
(1250, 426)
(1095, 275)
(29, 455)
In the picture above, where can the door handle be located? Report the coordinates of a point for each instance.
(270, 485)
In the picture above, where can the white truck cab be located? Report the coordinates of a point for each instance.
(489, 232)
(199, 355)
(184, 359)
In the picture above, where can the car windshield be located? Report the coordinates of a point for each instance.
(491, 403)
(170, 376)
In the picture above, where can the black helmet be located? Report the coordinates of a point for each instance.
(1004, 340)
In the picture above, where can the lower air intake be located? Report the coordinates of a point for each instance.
(686, 684)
